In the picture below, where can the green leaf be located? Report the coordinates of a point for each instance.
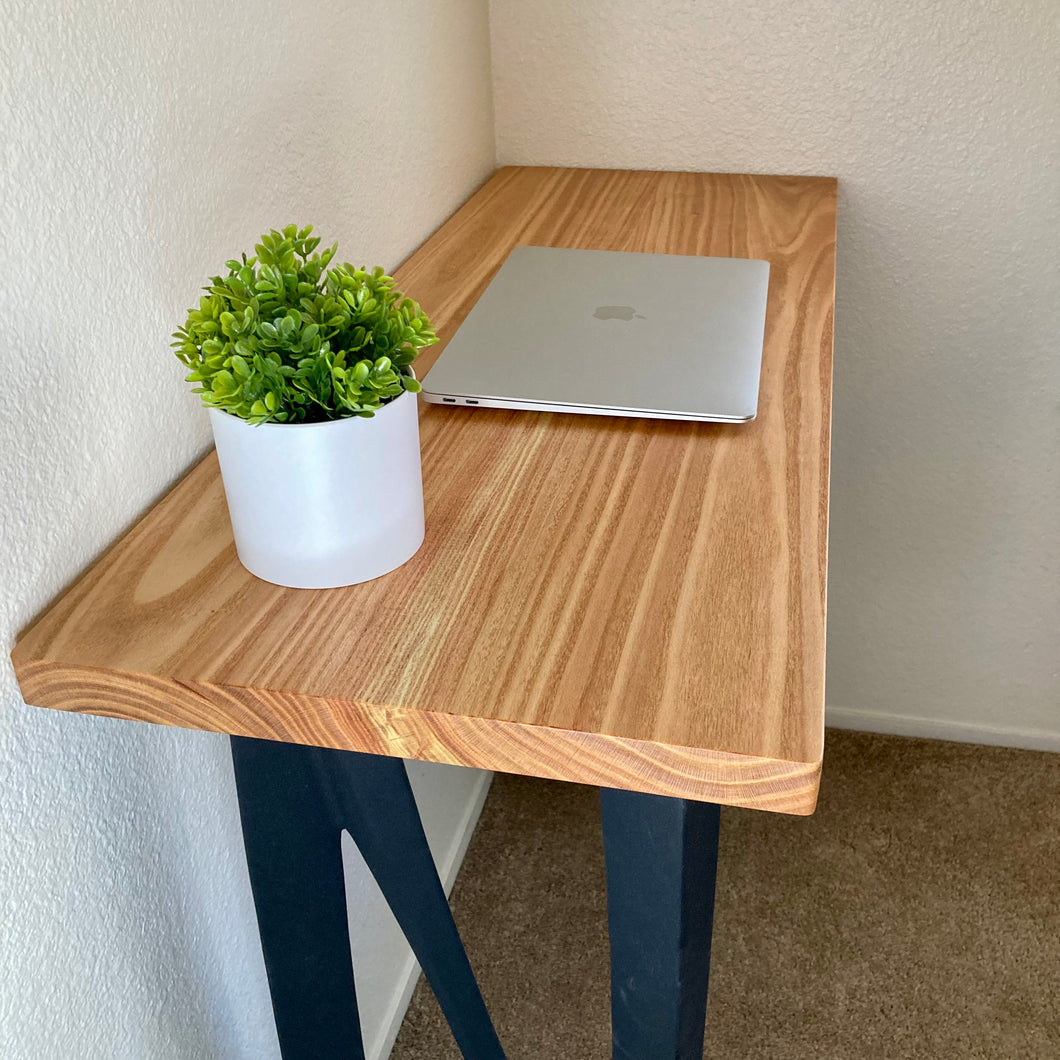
(223, 384)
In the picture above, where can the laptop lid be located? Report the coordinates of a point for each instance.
(595, 331)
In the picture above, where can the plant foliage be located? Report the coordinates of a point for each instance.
(284, 338)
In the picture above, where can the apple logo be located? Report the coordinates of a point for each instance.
(617, 312)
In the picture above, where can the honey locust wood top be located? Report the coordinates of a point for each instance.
(625, 602)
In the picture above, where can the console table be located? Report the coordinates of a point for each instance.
(634, 604)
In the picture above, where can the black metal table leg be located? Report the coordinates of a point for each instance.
(661, 855)
(294, 802)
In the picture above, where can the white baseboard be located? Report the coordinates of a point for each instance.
(936, 729)
(448, 867)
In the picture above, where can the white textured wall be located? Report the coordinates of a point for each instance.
(941, 119)
(142, 145)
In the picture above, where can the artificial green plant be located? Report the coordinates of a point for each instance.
(283, 338)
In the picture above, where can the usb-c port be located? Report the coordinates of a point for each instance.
(470, 401)
(452, 401)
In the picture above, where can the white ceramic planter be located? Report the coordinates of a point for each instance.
(319, 505)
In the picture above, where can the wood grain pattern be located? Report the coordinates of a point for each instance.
(634, 603)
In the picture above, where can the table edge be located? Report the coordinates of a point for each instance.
(706, 775)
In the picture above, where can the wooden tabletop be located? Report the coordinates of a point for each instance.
(633, 603)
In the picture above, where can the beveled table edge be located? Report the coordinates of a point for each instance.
(722, 777)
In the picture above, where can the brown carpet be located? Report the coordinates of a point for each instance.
(916, 915)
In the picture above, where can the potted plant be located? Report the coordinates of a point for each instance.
(305, 368)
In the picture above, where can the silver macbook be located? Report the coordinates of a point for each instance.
(665, 336)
